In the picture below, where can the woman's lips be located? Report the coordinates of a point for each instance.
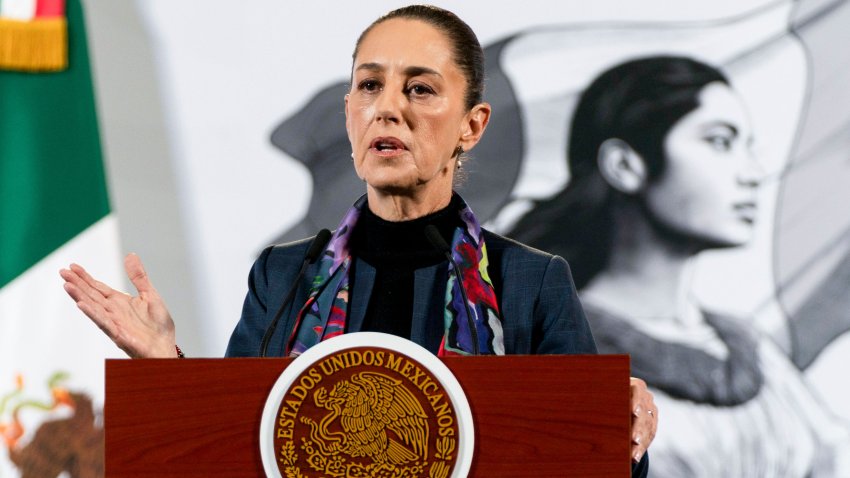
(387, 146)
(746, 211)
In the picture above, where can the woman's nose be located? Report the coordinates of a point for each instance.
(388, 106)
(752, 173)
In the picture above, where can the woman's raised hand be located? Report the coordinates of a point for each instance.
(139, 325)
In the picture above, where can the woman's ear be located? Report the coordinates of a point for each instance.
(475, 122)
(621, 166)
(347, 119)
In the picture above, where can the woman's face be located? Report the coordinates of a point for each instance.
(707, 190)
(405, 113)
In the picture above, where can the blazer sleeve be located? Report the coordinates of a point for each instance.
(560, 324)
(249, 331)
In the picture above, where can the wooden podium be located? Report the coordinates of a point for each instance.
(535, 416)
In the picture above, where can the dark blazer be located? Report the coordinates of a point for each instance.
(541, 313)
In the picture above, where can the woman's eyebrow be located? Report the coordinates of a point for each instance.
(722, 124)
(421, 70)
(370, 66)
(409, 71)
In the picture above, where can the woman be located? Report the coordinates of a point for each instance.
(414, 108)
(661, 169)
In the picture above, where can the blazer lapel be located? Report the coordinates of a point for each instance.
(361, 291)
(429, 292)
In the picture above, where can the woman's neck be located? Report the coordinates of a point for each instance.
(396, 207)
(648, 272)
(403, 244)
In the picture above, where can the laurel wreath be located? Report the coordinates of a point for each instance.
(336, 463)
(289, 458)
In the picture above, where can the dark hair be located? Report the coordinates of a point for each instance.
(637, 102)
(467, 52)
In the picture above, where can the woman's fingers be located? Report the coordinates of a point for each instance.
(81, 290)
(644, 418)
(94, 310)
(148, 304)
(97, 300)
(99, 317)
(93, 284)
(138, 276)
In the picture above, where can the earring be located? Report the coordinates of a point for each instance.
(458, 151)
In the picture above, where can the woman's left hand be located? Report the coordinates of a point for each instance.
(644, 418)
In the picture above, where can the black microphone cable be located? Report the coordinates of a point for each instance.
(441, 245)
(313, 252)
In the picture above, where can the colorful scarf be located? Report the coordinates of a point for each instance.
(324, 314)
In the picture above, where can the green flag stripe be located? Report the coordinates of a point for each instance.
(52, 184)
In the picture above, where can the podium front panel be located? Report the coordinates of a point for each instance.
(534, 416)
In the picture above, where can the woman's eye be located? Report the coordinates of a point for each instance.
(720, 143)
(419, 90)
(369, 85)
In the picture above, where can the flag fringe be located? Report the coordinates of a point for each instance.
(32, 46)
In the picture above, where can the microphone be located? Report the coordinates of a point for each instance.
(313, 252)
(441, 245)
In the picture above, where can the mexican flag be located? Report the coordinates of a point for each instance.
(54, 210)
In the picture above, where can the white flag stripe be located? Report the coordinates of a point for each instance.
(42, 331)
(17, 9)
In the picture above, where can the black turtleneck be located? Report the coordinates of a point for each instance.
(396, 250)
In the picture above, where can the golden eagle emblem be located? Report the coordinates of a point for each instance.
(378, 417)
(365, 412)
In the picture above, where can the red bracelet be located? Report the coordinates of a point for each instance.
(179, 352)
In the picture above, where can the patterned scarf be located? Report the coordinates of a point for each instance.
(324, 314)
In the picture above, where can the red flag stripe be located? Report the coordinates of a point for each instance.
(50, 8)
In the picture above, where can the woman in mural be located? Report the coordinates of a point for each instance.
(661, 169)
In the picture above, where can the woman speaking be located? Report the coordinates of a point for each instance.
(414, 108)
